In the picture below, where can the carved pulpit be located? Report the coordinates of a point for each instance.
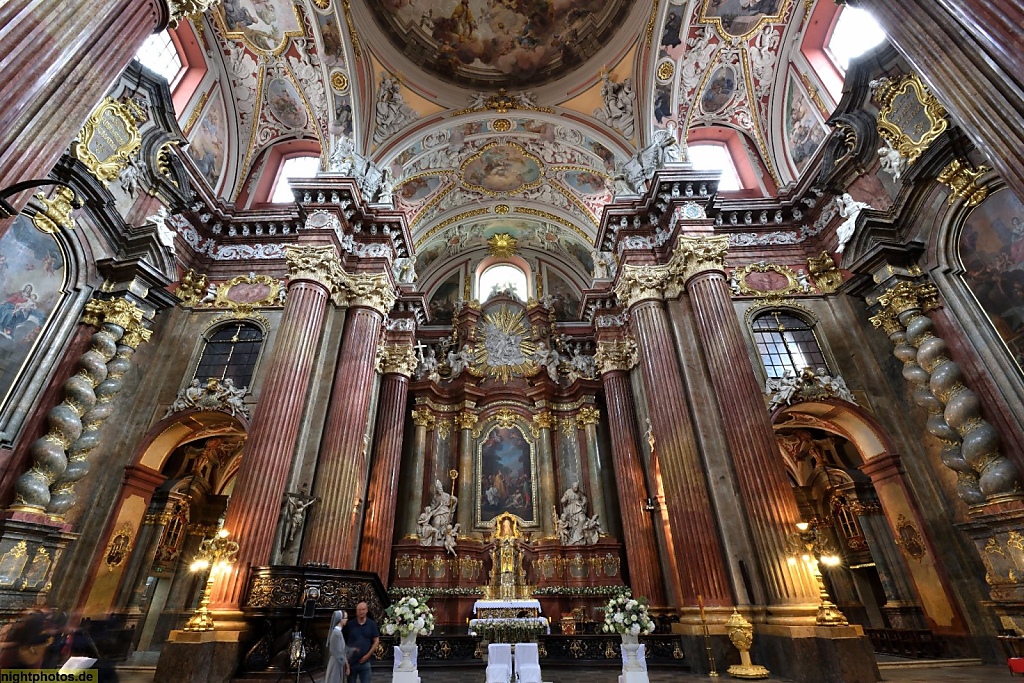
(508, 576)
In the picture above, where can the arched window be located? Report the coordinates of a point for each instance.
(158, 54)
(503, 278)
(231, 352)
(787, 345)
(294, 167)
(855, 32)
(711, 156)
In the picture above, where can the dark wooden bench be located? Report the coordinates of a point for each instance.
(912, 643)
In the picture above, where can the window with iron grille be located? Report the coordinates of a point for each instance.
(787, 345)
(231, 352)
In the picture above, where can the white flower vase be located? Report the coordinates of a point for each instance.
(633, 671)
(408, 648)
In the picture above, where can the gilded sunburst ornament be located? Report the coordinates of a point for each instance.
(502, 245)
(504, 350)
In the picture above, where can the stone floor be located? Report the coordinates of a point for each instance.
(960, 674)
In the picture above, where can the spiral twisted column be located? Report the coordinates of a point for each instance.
(382, 497)
(64, 421)
(342, 465)
(967, 480)
(62, 491)
(771, 507)
(614, 360)
(694, 531)
(276, 424)
(998, 478)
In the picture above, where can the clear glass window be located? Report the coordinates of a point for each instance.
(503, 279)
(295, 167)
(787, 345)
(714, 157)
(159, 54)
(231, 351)
(855, 32)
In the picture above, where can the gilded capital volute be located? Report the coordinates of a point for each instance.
(370, 290)
(466, 419)
(588, 415)
(641, 283)
(421, 417)
(887, 321)
(908, 296)
(695, 255)
(120, 312)
(136, 335)
(543, 420)
(319, 264)
(398, 359)
(616, 355)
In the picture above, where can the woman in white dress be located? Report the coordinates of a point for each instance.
(337, 652)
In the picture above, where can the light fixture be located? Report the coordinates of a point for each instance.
(215, 554)
(812, 547)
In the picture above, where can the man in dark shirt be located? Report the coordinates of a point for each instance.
(361, 637)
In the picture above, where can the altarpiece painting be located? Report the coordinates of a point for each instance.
(506, 464)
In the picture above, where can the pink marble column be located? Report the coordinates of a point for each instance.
(58, 60)
(699, 558)
(771, 508)
(645, 578)
(342, 466)
(382, 496)
(256, 500)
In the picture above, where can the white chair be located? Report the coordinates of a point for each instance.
(528, 663)
(499, 663)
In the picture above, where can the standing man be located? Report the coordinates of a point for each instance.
(362, 637)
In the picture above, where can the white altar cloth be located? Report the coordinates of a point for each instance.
(510, 604)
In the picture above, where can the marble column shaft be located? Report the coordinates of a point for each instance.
(694, 532)
(341, 469)
(416, 468)
(273, 434)
(771, 506)
(546, 464)
(133, 588)
(382, 497)
(965, 50)
(59, 59)
(597, 504)
(464, 512)
(901, 602)
(645, 575)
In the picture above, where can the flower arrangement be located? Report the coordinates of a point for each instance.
(402, 591)
(409, 615)
(578, 591)
(627, 615)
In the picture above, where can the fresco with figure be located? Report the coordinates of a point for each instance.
(992, 252)
(804, 130)
(507, 481)
(739, 17)
(442, 303)
(264, 24)
(32, 277)
(206, 141)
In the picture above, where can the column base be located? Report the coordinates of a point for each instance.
(904, 616)
(996, 533)
(31, 544)
(808, 654)
(199, 656)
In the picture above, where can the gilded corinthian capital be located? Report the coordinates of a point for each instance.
(907, 296)
(371, 290)
(695, 255)
(398, 359)
(616, 355)
(120, 312)
(421, 417)
(183, 9)
(639, 283)
(319, 264)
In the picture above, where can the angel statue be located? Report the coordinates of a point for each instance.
(849, 208)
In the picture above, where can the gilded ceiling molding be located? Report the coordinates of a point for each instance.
(370, 290)
(319, 264)
(398, 359)
(641, 283)
(616, 355)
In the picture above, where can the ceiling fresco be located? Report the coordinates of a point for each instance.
(493, 121)
(494, 43)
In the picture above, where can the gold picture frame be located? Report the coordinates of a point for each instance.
(909, 117)
(108, 140)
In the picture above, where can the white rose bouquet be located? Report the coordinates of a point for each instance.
(625, 614)
(408, 615)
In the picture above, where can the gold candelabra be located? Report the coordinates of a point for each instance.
(810, 546)
(215, 554)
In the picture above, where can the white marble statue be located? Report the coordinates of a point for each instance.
(581, 366)
(892, 161)
(215, 394)
(458, 361)
(293, 515)
(782, 390)
(809, 385)
(436, 522)
(574, 520)
(600, 265)
(450, 537)
(619, 99)
(591, 531)
(547, 357)
(428, 364)
(343, 158)
(849, 208)
(164, 234)
(233, 397)
(385, 194)
(131, 176)
(405, 270)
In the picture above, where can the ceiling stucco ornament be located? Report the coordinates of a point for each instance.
(185, 9)
(494, 43)
(502, 245)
